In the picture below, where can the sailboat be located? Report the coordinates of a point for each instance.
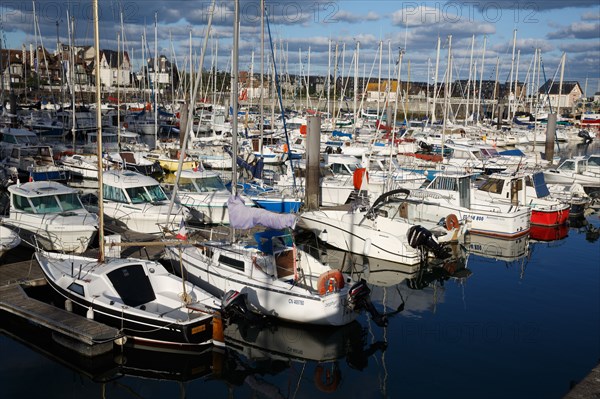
(139, 297)
(270, 275)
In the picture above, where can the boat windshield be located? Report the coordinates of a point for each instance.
(69, 202)
(142, 194)
(210, 184)
(45, 204)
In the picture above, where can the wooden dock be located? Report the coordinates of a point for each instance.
(87, 337)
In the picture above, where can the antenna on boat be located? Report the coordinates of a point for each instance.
(99, 133)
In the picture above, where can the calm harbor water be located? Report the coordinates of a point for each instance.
(518, 319)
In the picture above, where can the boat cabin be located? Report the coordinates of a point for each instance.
(44, 198)
(516, 189)
(131, 187)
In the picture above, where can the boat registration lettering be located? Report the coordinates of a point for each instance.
(198, 329)
(296, 302)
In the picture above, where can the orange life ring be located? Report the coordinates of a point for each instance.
(328, 380)
(452, 222)
(330, 281)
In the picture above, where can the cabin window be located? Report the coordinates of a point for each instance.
(69, 202)
(47, 204)
(567, 165)
(235, 263)
(211, 184)
(113, 194)
(21, 203)
(493, 186)
(132, 284)
(76, 288)
(443, 183)
(138, 195)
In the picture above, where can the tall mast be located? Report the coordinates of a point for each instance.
(234, 89)
(481, 77)
(155, 78)
(99, 133)
(435, 83)
(470, 80)
(560, 84)
(355, 94)
(307, 80)
(512, 66)
(262, 75)
(516, 104)
(446, 90)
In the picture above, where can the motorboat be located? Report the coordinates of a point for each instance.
(455, 194)
(51, 215)
(525, 189)
(139, 297)
(582, 170)
(379, 231)
(139, 203)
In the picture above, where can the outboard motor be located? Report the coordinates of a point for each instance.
(585, 135)
(359, 298)
(419, 237)
(235, 307)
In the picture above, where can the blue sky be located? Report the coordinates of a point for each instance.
(552, 26)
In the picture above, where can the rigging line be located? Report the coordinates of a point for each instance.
(287, 138)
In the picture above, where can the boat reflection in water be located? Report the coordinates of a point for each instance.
(400, 287)
(267, 350)
(497, 248)
(549, 233)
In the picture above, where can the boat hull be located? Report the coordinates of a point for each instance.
(549, 217)
(277, 298)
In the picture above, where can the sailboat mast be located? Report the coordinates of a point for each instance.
(481, 78)
(446, 92)
(234, 98)
(560, 84)
(99, 133)
(155, 78)
(435, 81)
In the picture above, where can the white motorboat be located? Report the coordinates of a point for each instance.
(139, 297)
(9, 239)
(51, 215)
(581, 170)
(454, 194)
(378, 232)
(139, 202)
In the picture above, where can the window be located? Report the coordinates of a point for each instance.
(156, 193)
(46, 204)
(76, 288)
(211, 184)
(567, 165)
(113, 194)
(69, 202)
(21, 203)
(235, 263)
(493, 186)
(138, 195)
